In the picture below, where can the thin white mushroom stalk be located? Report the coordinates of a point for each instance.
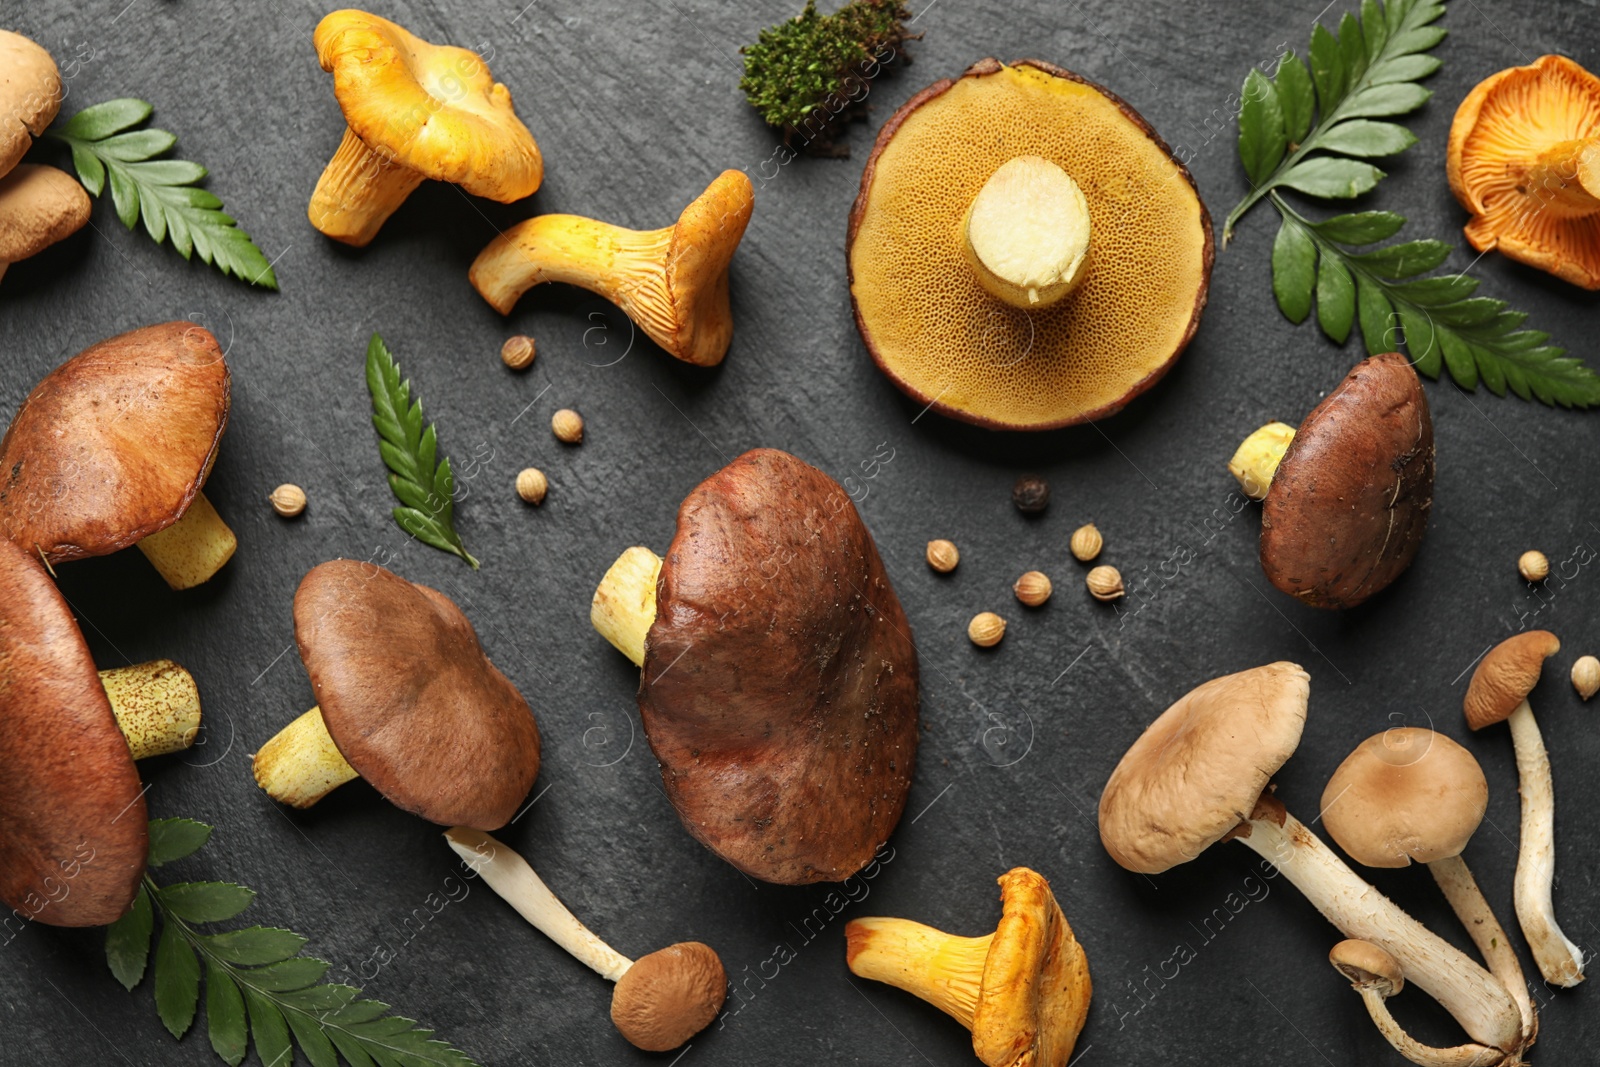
(1559, 960)
(1467, 900)
(1427, 1055)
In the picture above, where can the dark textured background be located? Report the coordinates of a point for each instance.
(636, 108)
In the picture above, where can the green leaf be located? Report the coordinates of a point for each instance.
(1361, 227)
(1421, 341)
(313, 1042)
(1296, 97)
(173, 839)
(1432, 292)
(1261, 127)
(287, 975)
(254, 945)
(1376, 315)
(1327, 68)
(1404, 260)
(205, 902)
(1326, 176)
(1374, 29)
(1404, 69)
(268, 1028)
(1336, 298)
(128, 941)
(1363, 137)
(225, 1018)
(1294, 271)
(177, 979)
(102, 120)
(1458, 357)
(1380, 100)
(1352, 49)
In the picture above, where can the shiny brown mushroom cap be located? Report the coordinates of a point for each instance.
(30, 95)
(115, 443)
(667, 997)
(73, 830)
(779, 689)
(38, 206)
(1405, 794)
(1366, 964)
(1506, 675)
(409, 697)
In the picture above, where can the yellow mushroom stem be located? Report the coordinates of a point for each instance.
(940, 968)
(624, 604)
(1565, 179)
(300, 764)
(358, 191)
(192, 549)
(157, 706)
(1257, 458)
(1026, 233)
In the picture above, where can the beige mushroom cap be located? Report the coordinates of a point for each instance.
(1405, 794)
(1506, 676)
(30, 95)
(38, 206)
(1366, 964)
(670, 995)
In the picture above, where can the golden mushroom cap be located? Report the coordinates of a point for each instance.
(667, 997)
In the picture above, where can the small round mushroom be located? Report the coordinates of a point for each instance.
(30, 96)
(111, 449)
(1376, 975)
(414, 111)
(672, 282)
(1023, 991)
(1499, 693)
(38, 206)
(779, 686)
(406, 699)
(660, 1001)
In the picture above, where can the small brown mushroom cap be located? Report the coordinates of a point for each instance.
(779, 689)
(409, 697)
(667, 997)
(1506, 675)
(30, 95)
(39, 206)
(1198, 770)
(73, 830)
(115, 443)
(1348, 506)
(1366, 964)
(1405, 794)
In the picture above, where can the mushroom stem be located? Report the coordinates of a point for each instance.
(1566, 178)
(300, 764)
(1257, 458)
(1461, 889)
(1416, 1051)
(940, 968)
(358, 191)
(1026, 233)
(192, 549)
(157, 706)
(624, 603)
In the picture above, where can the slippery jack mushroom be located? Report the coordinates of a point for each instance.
(414, 111)
(1377, 976)
(672, 282)
(1499, 692)
(38, 206)
(1199, 774)
(661, 1000)
(1023, 991)
(406, 699)
(111, 449)
(76, 832)
(779, 680)
(1345, 499)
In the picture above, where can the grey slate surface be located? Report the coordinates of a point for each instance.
(636, 108)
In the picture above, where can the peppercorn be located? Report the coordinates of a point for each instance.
(1031, 494)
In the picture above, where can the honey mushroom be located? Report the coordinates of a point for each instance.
(1377, 976)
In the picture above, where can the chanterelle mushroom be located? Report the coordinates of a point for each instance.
(1023, 990)
(73, 831)
(406, 699)
(1199, 775)
(672, 282)
(661, 1000)
(111, 449)
(38, 206)
(414, 111)
(779, 689)
(30, 95)
(1377, 976)
(1499, 693)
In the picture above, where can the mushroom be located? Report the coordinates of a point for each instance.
(672, 282)
(1199, 775)
(414, 111)
(1499, 692)
(73, 829)
(1412, 794)
(1025, 252)
(1023, 990)
(1346, 497)
(38, 206)
(111, 449)
(406, 699)
(779, 683)
(1524, 160)
(661, 1000)
(1377, 976)
(30, 96)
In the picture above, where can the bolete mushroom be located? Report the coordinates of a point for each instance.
(1025, 252)
(661, 1000)
(39, 206)
(111, 449)
(1347, 496)
(672, 282)
(414, 111)
(406, 699)
(30, 96)
(1377, 976)
(779, 683)
(73, 829)
(1199, 774)
(1524, 160)
(1023, 990)
(1499, 692)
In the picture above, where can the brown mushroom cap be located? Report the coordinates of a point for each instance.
(115, 443)
(1405, 794)
(30, 95)
(1198, 770)
(38, 206)
(779, 689)
(1348, 506)
(932, 327)
(1366, 964)
(1506, 675)
(667, 997)
(410, 699)
(73, 830)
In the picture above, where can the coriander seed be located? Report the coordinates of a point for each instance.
(1031, 494)
(1033, 588)
(532, 485)
(288, 500)
(567, 425)
(986, 629)
(1586, 676)
(1105, 583)
(1086, 542)
(943, 556)
(1533, 566)
(518, 352)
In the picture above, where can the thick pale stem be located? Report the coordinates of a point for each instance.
(940, 968)
(192, 549)
(509, 875)
(1415, 1051)
(1257, 458)
(1559, 960)
(624, 604)
(157, 706)
(1566, 178)
(1026, 233)
(1461, 889)
(301, 764)
(358, 191)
